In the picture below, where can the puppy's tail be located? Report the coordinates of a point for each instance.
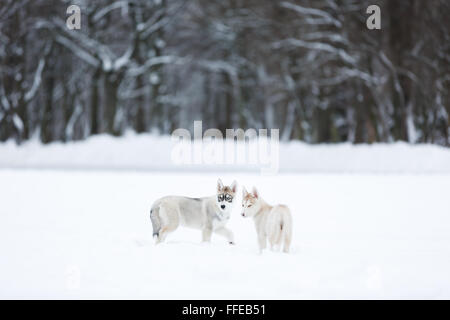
(156, 221)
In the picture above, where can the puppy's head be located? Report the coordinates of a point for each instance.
(225, 195)
(250, 202)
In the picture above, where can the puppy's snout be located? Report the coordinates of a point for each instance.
(243, 214)
(222, 206)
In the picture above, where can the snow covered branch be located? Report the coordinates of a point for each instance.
(311, 11)
(319, 46)
(36, 81)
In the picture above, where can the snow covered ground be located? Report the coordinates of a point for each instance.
(379, 229)
(76, 234)
(149, 152)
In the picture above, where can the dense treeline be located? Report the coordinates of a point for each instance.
(310, 68)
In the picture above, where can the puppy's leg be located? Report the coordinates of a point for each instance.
(274, 238)
(279, 237)
(169, 221)
(271, 239)
(287, 239)
(206, 234)
(287, 232)
(165, 231)
(227, 233)
(272, 246)
(262, 241)
(162, 235)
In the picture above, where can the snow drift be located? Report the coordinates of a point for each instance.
(151, 152)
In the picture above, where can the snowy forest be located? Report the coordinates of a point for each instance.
(310, 68)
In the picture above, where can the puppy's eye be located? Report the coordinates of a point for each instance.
(249, 206)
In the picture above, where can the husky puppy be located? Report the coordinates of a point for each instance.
(272, 222)
(209, 214)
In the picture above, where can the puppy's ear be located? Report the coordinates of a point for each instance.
(255, 192)
(219, 185)
(234, 186)
(244, 192)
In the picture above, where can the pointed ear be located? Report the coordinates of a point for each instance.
(244, 192)
(255, 192)
(219, 185)
(234, 186)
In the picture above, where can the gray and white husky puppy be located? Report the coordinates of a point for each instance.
(209, 214)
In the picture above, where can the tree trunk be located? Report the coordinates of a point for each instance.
(95, 102)
(111, 84)
(46, 123)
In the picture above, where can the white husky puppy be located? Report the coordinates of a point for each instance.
(272, 222)
(209, 214)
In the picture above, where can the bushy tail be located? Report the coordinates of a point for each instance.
(279, 233)
(156, 221)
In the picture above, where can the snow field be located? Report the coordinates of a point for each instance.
(78, 234)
